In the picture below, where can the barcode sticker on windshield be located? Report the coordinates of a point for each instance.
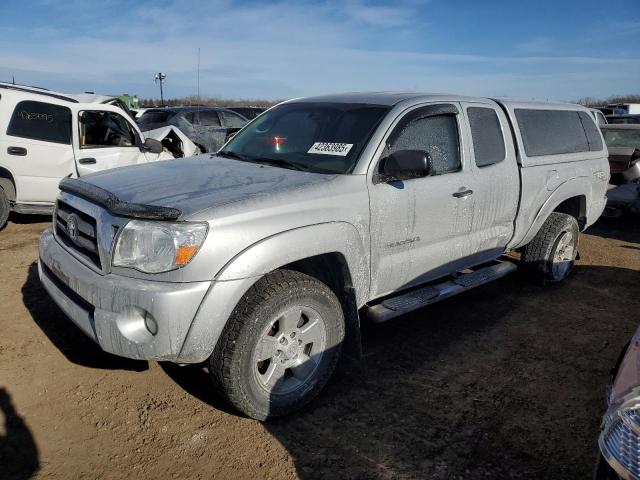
(325, 148)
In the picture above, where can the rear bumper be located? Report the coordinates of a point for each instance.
(132, 318)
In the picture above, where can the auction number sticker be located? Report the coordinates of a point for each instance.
(326, 148)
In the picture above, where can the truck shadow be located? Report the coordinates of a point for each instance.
(505, 381)
(22, 219)
(195, 380)
(625, 228)
(68, 338)
(19, 458)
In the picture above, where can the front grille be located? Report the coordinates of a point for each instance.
(78, 231)
(622, 443)
(64, 288)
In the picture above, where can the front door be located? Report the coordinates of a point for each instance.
(420, 227)
(104, 139)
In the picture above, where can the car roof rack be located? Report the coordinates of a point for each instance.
(37, 91)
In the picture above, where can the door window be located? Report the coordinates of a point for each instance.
(232, 120)
(437, 135)
(41, 121)
(99, 129)
(208, 118)
(488, 142)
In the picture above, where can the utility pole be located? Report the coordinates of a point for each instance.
(160, 77)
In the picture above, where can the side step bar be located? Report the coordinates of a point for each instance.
(408, 302)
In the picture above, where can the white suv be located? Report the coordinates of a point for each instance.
(46, 136)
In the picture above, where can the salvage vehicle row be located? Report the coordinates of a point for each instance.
(47, 136)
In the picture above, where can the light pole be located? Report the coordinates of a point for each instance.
(160, 77)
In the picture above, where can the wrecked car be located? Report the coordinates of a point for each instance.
(50, 136)
(262, 260)
(208, 127)
(623, 143)
(619, 438)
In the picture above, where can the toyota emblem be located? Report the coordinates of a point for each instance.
(72, 227)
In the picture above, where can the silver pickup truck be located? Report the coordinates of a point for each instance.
(263, 259)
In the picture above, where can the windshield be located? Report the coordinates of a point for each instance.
(318, 137)
(622, 138)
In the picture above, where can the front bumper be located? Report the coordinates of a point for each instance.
(132, 318)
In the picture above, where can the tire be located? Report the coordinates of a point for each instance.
(552, 252)
(5, 208)
(280, 346)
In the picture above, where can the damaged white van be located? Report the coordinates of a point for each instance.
(47, 136)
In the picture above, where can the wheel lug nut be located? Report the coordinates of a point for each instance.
(293, 335)
(283, 340)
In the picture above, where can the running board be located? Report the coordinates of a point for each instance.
(408, 302)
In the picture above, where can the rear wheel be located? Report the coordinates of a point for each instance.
(280, 345)
(553, 250)
(5, 208)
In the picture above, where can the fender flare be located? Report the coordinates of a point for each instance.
(574, 187)
(233, 281)
(292, 245)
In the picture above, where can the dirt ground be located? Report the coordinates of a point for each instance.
(506, 381)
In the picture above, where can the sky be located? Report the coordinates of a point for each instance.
(542, 49)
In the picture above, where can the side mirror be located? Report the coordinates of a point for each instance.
(152, 145)
(405, 164)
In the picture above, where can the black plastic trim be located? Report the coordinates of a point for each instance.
(116, 206)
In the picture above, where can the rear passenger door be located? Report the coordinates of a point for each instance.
(38, 150)
(496, 184)
(209, 132)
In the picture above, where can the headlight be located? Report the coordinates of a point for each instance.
(155, 247)
(620, 437)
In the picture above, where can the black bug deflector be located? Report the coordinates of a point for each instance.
(116, 206)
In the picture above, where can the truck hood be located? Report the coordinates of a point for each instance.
(201, 182)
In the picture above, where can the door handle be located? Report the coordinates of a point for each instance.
(463, 193)
(19, 151)
(87, 161)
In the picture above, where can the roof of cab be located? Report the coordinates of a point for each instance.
(393, 98)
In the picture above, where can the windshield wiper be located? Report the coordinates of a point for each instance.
(237, 156)
(280, 162)
(272, 161)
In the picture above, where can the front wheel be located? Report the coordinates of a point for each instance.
(5, 208)
(280, 346)
(553, 250)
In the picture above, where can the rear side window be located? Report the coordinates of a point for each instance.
(232, 120)
(488, 142)
(208, 118)
(41, 121)
(592, 132)
(554, 132)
